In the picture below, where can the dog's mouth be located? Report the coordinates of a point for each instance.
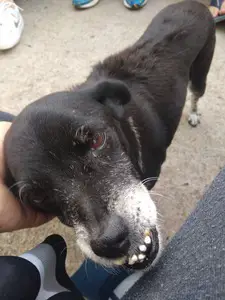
(145, 253)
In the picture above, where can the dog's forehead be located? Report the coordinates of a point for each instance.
(64, 123)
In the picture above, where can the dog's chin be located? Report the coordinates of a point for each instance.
(139, 258)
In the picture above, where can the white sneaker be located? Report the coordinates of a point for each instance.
(11, 25)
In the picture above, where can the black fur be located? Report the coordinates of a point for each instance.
(48, 148)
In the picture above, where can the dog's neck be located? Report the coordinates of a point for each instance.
(136, 134)
(145, 142)
(130, 138)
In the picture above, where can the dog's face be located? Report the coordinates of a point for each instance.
(69, 157)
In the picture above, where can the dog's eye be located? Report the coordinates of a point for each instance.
(98, 142)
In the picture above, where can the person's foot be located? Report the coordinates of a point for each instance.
(222, 9)
(217, 8)
(134, 4)
(11, 25)
(214, 11)
(81, 4)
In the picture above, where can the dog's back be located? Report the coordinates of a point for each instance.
(186, 24)
(177, 48)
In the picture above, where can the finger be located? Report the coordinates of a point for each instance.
(32, 218)
(14, 216)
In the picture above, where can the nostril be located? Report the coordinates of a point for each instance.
(123, 245)
(103, 248)
(114, 241)
(116, 238)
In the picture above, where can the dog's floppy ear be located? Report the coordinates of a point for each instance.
(114, 94)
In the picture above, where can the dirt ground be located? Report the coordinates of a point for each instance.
(57, 50)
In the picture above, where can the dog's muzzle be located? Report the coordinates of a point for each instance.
(114, 245)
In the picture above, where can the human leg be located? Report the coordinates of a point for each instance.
(11, 24)
(217, 9)
(135, 4)
(38, 274)
(82, 4)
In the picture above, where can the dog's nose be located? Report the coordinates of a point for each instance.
(113, 242)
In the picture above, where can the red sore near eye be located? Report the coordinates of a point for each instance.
(98, 142)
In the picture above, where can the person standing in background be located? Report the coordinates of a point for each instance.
(131, 4)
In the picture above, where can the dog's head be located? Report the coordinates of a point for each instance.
(68, 156)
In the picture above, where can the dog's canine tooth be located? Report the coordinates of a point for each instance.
(143, 248)
(148, 240)
(147, 232)
(120, 261)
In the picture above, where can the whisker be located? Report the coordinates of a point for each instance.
(160, 195)
(85, 267)
(148, 179)
(160, 220)
(63, 250)
(111, 270)
(160, 215)
(21, 191)
(15, 184)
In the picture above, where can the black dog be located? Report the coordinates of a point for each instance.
(84, 154)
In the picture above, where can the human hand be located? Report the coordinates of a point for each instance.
(14, 215)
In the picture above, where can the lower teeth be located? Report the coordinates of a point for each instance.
(148, 240)
(142, 248)
(141, 256)
(133, 260)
